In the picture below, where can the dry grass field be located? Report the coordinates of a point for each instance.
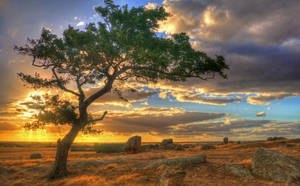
(90, 168)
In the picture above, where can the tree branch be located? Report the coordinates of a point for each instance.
(98, 119)
(82, 95)
(60, 85)
(107, 87)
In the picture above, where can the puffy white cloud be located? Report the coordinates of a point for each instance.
(81, 23)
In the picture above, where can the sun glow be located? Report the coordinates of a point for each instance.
(207, 17)
(26, 114)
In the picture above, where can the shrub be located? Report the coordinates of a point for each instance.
(109, 147)
(35, 156)
(275, 138)
(81, 148)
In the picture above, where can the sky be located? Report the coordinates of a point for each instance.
(260, 40)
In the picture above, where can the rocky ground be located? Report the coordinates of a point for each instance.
(228, 164)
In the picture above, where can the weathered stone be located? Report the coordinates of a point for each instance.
(207, 147)
(238, 170)
(275, 166)
(167, 144)
(133, 145)
(225, 140)
(35, 156)
(182, 162)
(171, 177)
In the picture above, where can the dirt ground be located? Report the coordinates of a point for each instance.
(17, 169)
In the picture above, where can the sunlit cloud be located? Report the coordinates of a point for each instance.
(81, 23)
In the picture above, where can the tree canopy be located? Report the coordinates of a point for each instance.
(123, 46)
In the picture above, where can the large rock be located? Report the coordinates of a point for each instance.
(35, 156)
(182, 162)
(167, 144)
(275, 166)
(133, 145)
(225, 140)
(238, 170)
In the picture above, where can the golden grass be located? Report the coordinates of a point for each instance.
(20, 170)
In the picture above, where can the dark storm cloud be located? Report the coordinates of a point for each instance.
(259, 39)
(265, 21)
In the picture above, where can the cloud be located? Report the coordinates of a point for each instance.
(155, 120)
(151, 5)
(130, 95)
(196, 98)
(81, 23)
(6, 126)
(260, 61)
(225, 20)
(260, 114)
(239, 129)
(263, 99)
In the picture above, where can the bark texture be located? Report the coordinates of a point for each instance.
(63, 147)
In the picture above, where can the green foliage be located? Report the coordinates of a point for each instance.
(109, 147)
(50, 109)
(124, 46)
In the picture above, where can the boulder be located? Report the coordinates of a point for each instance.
(35, 156)
(133, 145)
(167, 144)
(182, 162)
(238, 170)
(171, 177)
(275, 166)
(225, 140)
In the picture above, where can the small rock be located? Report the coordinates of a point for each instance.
(171, 177)
(35, 156)
(238, 170)
(275, 166)
(133, 145)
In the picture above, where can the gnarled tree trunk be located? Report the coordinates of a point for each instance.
(63, 147)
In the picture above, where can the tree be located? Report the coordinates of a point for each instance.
(122, 47)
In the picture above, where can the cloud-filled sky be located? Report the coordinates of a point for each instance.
(260, 40)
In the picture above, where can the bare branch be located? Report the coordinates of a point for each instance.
(98, 119)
